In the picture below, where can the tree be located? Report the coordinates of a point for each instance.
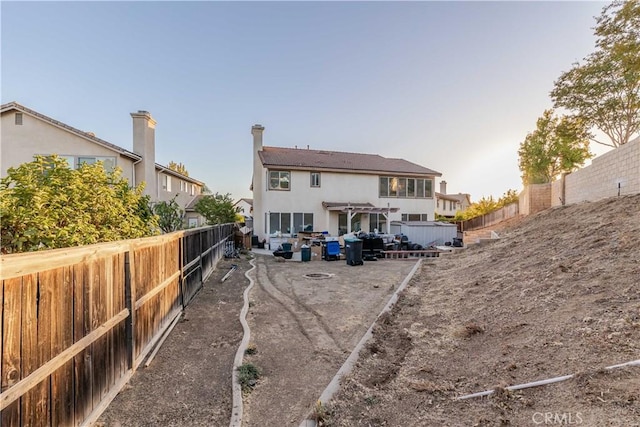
(178, 167)
(604, 91)
(47, 205)
(170, 216)
(217, 208)
(557, 145)
(511, 196)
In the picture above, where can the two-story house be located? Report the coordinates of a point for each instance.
(26, 133)
(448, 205)
(316, 190)
(244, 206)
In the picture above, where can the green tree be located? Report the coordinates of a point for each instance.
(557, 145)
(484, 206)
(205, 189)
(46, 205)
(511, 196)
(178, 167)
(217, 208)
(170, 215)
(604, 91)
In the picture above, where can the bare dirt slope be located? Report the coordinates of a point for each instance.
(558, 294)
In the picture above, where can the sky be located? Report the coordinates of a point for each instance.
(452, 86)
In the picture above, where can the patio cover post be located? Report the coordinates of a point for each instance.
(350, 216)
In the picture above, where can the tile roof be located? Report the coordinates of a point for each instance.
(192, 204)
(297, 158)
(461, 197)
(178, 174)
(447, 197)
(15, 106)
(249, 201)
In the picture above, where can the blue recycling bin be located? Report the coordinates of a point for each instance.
(331, 250)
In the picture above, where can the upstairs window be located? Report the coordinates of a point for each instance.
(74, 162)
(406, 188)
(166, 182)
(315, 179)
(279, 180)
(19, 118)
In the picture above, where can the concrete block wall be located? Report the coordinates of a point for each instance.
(535, 198)
(556, 192)
(618, 169)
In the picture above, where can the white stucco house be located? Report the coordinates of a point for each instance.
(298, 189)
(244, 206)
(449, 204)
(26, 133)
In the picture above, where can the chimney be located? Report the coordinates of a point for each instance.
(144, 144)
(258, 184)
(443, 187)
(256, 131)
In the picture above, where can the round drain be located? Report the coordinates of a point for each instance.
(318, 276)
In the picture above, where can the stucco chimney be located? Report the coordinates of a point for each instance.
(144, 144)
(443, 187)
(256, 131)
(259, 178)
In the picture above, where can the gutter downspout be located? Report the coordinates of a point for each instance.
(133, 173)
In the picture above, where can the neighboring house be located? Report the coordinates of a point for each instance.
(191, 217)
(26, 133)
(448, 205)
(316, 190)
(245, 207)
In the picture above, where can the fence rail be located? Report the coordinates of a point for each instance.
(77, 322)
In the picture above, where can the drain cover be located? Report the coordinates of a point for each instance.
(318, 275)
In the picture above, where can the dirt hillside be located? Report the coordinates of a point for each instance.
(558, 294)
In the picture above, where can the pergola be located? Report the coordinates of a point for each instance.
(351, 209)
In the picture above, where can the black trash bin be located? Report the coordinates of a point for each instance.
(353, 251)
(305, 253)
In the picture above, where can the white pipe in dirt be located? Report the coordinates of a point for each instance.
(542, 382)
(347, 366)
(236, 409)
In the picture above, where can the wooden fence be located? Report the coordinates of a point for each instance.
(77, 322)
(509, 211)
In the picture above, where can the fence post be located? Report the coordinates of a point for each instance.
(129, 296)
(181, 267)
(200, 260)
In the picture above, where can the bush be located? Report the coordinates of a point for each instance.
(248, 375)
(47, 205)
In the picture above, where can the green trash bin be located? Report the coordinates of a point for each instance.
(305, 254)
(286, 247)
